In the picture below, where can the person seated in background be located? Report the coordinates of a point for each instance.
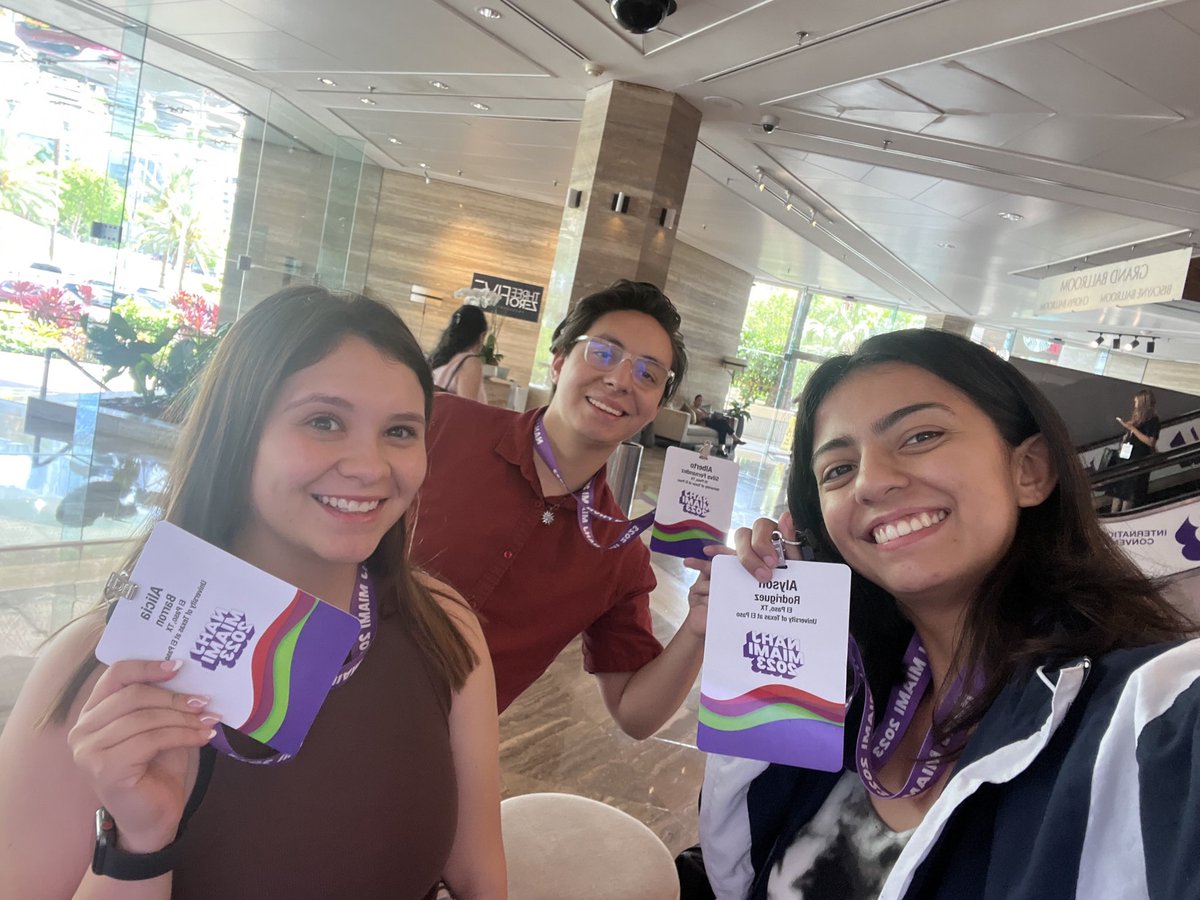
(455, 360)
(517, 516)
(301, 455)
(1042, 736)
(723, 424)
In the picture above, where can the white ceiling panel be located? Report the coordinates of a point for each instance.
(1078, 138)
(191, 17)
(992, 130)
(956, 198)
(1110, 46)
(1061, 81)
(953, 88)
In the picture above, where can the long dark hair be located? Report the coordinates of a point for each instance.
(209, 478)
(467, 325)
(1063, 590)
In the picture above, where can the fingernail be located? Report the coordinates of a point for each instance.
(198, 702)
(212, 734)
(171, 665)
(210, 720)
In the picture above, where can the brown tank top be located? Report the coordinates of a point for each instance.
(367, 809)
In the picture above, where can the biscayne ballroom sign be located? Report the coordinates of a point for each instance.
(1149, 279)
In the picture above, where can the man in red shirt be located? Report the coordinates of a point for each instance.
(515, 512)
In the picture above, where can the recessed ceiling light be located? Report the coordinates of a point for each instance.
(481, 106)
(329, 82)
(487, 12)
(440, 85)
(1011, 216)
(946, 244)
(393, 140)
(367, 101)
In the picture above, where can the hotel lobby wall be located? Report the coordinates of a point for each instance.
(431, 238)
(434, 237)
(300, 215)
(712, 297)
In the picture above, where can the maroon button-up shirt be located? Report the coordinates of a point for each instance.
(535, 587)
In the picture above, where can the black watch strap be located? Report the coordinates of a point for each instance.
(109, 860)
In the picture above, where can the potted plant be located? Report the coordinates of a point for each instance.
(490, 358)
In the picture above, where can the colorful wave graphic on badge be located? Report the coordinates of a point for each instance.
(775, 722)
(271, 669)
(687, 538)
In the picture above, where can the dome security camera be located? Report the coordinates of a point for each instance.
(641, 16)
(769, 123)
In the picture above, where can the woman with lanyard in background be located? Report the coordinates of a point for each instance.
(1141, 439)
(1039, 738)
(301, 455)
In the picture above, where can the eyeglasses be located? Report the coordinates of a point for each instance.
(648, 374)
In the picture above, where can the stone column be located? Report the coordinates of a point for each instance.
(953, 324)
(633, 140)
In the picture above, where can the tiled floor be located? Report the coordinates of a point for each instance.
(556, 737)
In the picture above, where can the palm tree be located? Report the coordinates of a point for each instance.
(27, 188)
(172, 225)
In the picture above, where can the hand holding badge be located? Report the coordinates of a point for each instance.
(266, 653)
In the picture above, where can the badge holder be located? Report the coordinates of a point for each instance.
(118, 587)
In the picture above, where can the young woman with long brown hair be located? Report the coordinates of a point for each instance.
(301, 455)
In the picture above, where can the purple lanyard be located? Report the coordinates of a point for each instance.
(541, 444)
(366, 610)
(876, 745)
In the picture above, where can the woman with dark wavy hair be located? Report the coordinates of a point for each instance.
(455, 360)
(1040, 740)
(302, 455)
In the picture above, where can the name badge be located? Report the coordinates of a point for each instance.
(266, 652)
(1126, 451)
(773, 685)
(695, 503)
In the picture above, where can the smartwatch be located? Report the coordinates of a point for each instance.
(108, 859)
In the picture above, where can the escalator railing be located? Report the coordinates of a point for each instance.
(1176, 432)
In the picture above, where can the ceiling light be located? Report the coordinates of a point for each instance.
(1150, 345)
(440, 85)
(482, 107)
(1116, 342)
(787, 202)
(366, 101)
(945, 245)
(427, 181)
(329, 82)
(1011, 216)
(1099, 341)
(813, 220)
(487, 12)
(1134, 344)
(393, 140)
(762, 185)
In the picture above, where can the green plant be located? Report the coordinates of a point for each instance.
(123, 347)
(183, 362)
(739, 409)
(487, 354)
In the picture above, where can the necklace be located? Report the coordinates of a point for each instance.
(549, 511)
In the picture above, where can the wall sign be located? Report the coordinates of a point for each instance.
(517, 299)
(1148, 279)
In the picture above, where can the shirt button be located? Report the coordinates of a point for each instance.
(508, 554)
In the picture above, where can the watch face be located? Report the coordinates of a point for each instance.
(109, 860)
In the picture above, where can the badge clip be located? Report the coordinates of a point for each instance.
(705, 449)
(119, 586)
(802, 541)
